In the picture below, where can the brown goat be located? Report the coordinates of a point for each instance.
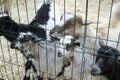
(74, 25)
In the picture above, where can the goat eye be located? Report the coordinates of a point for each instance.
(60, 54)
(67, 46)
(118, 61)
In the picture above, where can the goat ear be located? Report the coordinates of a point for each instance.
(77, 43)
(6, 10)
(101, 42)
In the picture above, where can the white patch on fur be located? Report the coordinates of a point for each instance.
(53, 14)
(18, 45)
(22, 34)
(28, 73)
(3, 14)
(63, 42)
(66, 39)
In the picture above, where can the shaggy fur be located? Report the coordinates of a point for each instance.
(107, 63)
(10, 29)
(80, 63)
(45, 54)
(46, 16)
(74, 25)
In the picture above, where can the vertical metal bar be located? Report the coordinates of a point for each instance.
(85, 30)
(109, 22)
(11, 66)
(74, 36)
(99, 7)
(39, 53)
(118, 41)
(18, 11)
(55, 46)
(26, 10)
(1, 49)
(17, 65)
(35, 6)
(64, 28)
(85, 35)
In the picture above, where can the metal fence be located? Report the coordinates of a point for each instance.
(22, 11)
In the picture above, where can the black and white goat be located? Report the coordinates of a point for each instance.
(43, 22)
(42, 56)
(107, 62)
(47, 16)
(10, 29)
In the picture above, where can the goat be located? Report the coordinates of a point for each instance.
(44, 54)
(107, 62)
(46, 16)
(74, 25)
(10, 29)
(80, 63)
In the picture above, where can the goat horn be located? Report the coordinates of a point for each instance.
(101, 42)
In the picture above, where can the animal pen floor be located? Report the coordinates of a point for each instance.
(12, 61)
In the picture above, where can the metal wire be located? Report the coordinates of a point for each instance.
(12, 64)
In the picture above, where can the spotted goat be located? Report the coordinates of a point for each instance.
(42, 56)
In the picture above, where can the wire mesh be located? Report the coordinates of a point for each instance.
(22, 11)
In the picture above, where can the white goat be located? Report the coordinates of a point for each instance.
(42, 55)
(74, 25)
(80, 63)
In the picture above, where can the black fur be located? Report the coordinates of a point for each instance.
(110, 66)
(26, 78)
(42, 15)
(10, 29)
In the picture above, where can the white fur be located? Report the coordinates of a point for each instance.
(88, 39)
(3, 14)
(22, 34)
(46, 58)
(53, 14)
(90, 43)
(81, 65)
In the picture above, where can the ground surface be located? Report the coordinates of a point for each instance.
(11, 61)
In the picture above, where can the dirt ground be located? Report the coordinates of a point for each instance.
(11, 61)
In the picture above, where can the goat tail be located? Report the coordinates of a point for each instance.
(48, 1)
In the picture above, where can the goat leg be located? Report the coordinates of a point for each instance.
(27, 70)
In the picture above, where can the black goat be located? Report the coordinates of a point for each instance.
(107, 62)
